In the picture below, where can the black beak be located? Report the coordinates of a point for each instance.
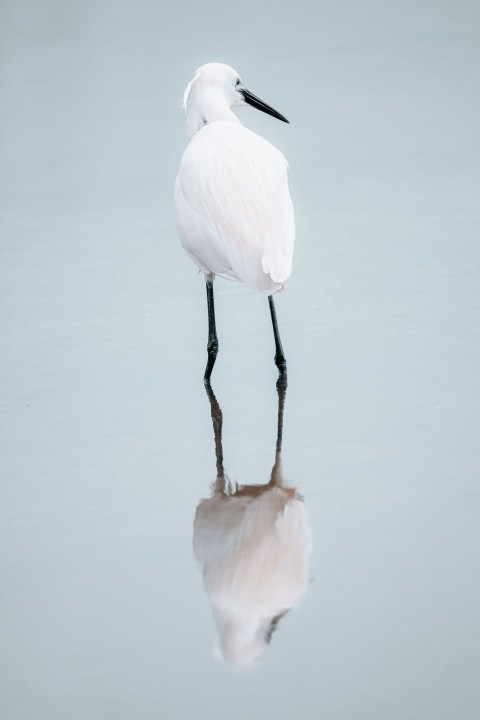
(255, 102)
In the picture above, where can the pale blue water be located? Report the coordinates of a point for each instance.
(107, 443)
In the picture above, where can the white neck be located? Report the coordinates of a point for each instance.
(211, 107)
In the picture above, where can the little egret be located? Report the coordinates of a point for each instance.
(233, 208)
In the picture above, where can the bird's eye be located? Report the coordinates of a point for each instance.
(238, 82)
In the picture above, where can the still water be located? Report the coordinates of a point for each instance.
(109, 453)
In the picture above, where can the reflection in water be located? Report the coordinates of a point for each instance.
(253, 543)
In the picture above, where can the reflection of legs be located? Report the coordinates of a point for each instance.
(282, 391)
(217, 419)
(212, 346)
(280, 360)
(277, 476)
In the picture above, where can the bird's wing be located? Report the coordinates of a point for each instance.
(199, 238)
(237, 183)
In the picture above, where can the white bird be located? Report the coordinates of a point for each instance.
(233, 209)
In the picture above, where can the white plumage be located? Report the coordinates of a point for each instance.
(233, 208)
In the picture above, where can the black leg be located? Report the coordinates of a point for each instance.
(212, 345)
(280, 360)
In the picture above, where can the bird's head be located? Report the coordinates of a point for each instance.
(216, 84)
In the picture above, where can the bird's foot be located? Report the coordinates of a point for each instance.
(282, 381)
(281, 363)
(212, 350)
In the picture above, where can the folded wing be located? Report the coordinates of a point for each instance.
(234, 211)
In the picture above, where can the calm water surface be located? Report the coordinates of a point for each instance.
(107, 440)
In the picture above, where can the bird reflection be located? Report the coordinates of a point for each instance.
(253, 543)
